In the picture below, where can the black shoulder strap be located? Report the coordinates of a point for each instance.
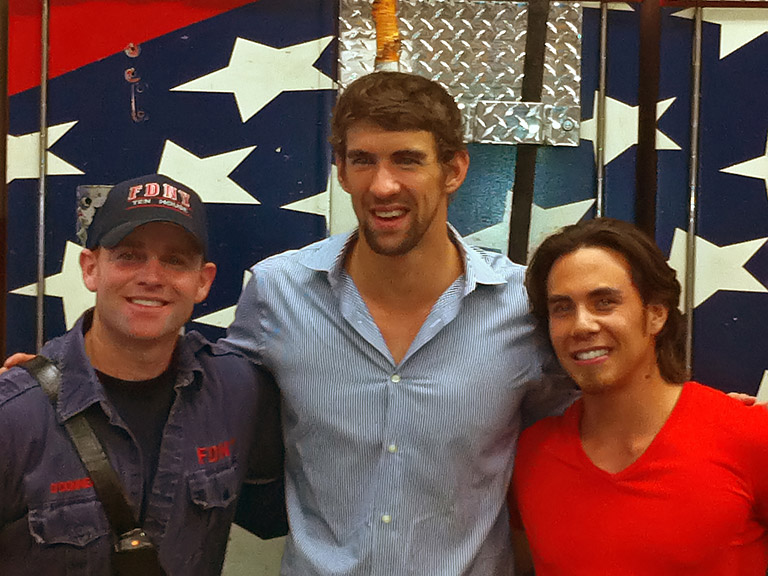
(105, 480)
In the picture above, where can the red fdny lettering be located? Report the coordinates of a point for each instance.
(211, 454)
(71, 485)
(134, 192)
(169, 192)
(151, 189)
(184, 198)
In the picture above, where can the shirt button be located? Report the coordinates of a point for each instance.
(386, 518)
(395, 378)
(392, 448)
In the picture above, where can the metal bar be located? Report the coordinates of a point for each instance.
(693, 180)
(43, 163)
(525, 162)
(601, 91)
(3, 170)
(648, 96)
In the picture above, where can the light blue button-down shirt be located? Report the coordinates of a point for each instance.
(396, 469)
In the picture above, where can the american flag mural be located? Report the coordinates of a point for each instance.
(236, 106)
(233, 99)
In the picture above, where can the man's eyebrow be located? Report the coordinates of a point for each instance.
(596, 293)
(411, 152)
(357, 153)
(605, 291)
(555, 298)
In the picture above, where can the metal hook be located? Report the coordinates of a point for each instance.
(130, 75)
(133, 79)
(137, 114)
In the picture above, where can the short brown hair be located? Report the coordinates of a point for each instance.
(398, 101)
(652, 276)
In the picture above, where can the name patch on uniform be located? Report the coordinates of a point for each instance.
(71, 485)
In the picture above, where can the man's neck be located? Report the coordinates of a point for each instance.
(410, 279)
(617, 426)
(400, 291)
(126, 360)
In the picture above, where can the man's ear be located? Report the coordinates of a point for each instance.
(207, 274)
(657, 318)
(455, 171)
(341, 170)
(89, 264)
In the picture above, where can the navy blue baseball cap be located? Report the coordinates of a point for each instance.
(151, 198)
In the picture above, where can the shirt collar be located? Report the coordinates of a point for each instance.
(80, 387)
(328, 256)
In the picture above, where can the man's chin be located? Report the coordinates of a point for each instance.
(388, 245)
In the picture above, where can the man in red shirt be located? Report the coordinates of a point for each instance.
(646, 474)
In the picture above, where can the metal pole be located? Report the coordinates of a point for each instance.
(3, 167)
(693, 177)
(43, 162)
(601, 89)
(648, 95)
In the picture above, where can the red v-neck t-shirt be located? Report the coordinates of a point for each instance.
(694, 503)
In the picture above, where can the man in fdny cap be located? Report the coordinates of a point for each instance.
(182, 422)
(154, 198)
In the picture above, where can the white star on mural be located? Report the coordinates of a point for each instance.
(737, 27)
(754, 168)
(319, 204)
(257, 73)
(621, 122)
(67, 285)
(494, 237)
(762, 392)
(717, 267)
(343, 218)
(209, 177)
(24, 155)
(547, 221)
(224, 317)
(544, 221)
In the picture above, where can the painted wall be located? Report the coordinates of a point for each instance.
(233, 98)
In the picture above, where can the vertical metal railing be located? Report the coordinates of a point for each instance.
(602, 83)
(3, 168)
(693, 181)
(43, 164)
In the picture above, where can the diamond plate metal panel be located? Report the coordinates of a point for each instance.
(561, 125)
(498, 122)
(476, 49)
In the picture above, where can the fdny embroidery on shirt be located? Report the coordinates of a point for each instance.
(211, 454)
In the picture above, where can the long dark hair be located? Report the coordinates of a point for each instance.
(652, 276)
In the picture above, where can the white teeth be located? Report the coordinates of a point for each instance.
(146, 302)
(591, 354)
(390, 214)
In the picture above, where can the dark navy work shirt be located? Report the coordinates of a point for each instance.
(223, 424)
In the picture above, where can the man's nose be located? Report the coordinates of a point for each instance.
(584, 322)
(152, 270)
(384, 181)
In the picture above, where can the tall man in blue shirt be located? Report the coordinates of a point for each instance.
(406, 359)
(177, 416)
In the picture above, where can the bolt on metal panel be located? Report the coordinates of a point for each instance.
(476, 49)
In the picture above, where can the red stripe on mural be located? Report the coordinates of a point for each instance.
(83, 31)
